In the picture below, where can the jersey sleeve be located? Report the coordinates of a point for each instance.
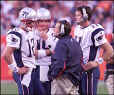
(98, 37)
(13, 39)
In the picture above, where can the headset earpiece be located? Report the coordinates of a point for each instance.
(85, 15)
(62, 31)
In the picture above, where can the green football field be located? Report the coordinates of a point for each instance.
(10, 88)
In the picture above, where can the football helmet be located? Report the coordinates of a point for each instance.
(43, 14)
(27, 17)
(27, 14)
(43, 18)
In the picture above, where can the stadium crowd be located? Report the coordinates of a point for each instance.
(102, 11)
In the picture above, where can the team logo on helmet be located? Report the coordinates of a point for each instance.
(27, 13)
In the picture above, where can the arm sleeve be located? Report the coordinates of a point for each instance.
(41, 53)
(13, 40)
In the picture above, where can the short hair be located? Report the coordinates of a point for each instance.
(88, 11)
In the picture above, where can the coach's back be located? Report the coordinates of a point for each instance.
(67, 58)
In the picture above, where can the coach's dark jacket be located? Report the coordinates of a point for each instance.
(66, 60)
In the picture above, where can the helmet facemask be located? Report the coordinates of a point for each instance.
(28, 24)
(43, 19)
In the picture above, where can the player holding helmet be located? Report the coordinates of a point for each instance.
(19, 50)
(45, 43)
(91, 38)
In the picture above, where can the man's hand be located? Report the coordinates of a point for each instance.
(43, 35)
(49, 52)
(90, 65)
(23, 70)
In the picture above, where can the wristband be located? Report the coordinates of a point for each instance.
(41, 53)
(100, 60)
(13, 67)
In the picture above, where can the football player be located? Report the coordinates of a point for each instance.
(91, 38)
(19, 50)
(45, 43)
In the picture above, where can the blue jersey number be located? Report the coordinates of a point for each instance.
(39, 43)
(31, 46)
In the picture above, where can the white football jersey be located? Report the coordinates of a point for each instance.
(23, 42)
(90, 38)
(49, 43)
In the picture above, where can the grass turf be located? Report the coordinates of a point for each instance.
(10, 88)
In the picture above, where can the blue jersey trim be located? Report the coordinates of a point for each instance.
(93, 49)
(94, 33)
(93, 52)
(17, 34)
(17, 53)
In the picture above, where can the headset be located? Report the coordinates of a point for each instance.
(85, 15)
(62, 28)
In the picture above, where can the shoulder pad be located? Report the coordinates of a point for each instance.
(14, 29)
(96, 26)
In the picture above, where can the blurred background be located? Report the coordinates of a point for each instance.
(103, 13)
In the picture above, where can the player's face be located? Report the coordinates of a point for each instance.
(78, 17)
(28, 23)
(57, 27)
(43, 24)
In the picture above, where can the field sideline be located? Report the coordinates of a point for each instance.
(10, 88)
